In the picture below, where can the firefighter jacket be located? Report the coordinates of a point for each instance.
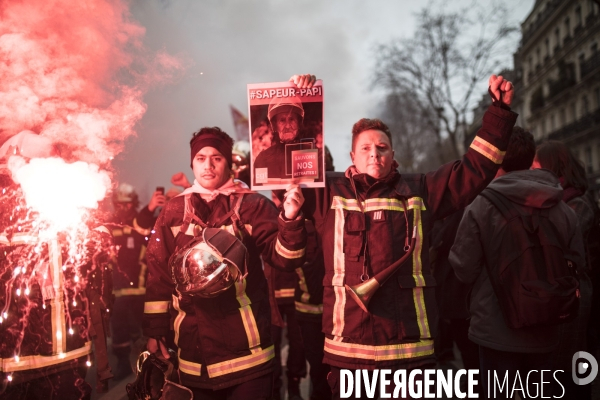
(46, 287)
(129, 264)
(308, 298)
(365, 225)
(225, 340)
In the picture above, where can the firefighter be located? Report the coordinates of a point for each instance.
(221, 315)
(129, 277)
(372, 216)
(53, 307)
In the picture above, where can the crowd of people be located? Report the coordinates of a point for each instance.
(207, 275)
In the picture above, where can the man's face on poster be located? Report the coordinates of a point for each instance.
(287, 125)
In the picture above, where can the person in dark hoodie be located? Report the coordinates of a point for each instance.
(502, 348)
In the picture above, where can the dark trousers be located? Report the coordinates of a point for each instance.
(314, 342)
(63, 385)
(509, 363)
(296, 363)
(126, 320)
(258, 388)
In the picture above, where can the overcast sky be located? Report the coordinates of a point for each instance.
(229, 44)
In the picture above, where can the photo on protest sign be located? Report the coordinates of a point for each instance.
(286, 133)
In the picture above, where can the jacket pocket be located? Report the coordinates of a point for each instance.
(354, 233)
(417, 308)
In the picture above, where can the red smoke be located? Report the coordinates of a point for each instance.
(75, 71)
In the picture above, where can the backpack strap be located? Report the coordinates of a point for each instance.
(189, 216)
(235, 203)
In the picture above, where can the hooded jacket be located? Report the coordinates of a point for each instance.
(478, 239)
(365, 224)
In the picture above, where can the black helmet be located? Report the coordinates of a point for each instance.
(157, 379)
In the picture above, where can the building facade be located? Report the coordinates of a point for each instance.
(558, 64)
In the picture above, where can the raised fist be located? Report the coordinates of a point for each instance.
(501, 90)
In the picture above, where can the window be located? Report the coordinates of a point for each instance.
(563, 118)
(597, 91)
(557, 35)
(573, 112)
(568, 26)
(578, 18)
(586, 105)
(594, 48)
(548, 47)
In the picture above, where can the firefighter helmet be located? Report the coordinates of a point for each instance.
(283, 105)
(209, 264)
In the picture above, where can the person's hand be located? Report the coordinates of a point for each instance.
(157, 200)
(501, 89)
(292, 201)
(304, 81)
(154, 344)
(179, 179)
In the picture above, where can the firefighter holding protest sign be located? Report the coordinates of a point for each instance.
(205, 275)
(375, 223)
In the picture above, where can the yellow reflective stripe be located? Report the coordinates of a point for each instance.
(117, 232)
(189, 367)
(286, 253)
(379, 353)
(241, 363)
(102, 229)
(248, 319)
(190, 229)
(309, 308)
(418, 296)
(175, 230)
(143, 268)
(139, 229)
(488, 150)
(57, 305)
(156, 307)
(129, 292)
(23, 238)
(284, 293)
(179, 319)
(339, 270)
(4, 240)
(303, 286)
(38, 361)
(376, 204)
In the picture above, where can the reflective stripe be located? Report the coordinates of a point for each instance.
(303, 286)
(379, 353)
(339, 270)
(376, 204)
(143, 268)
(117, 232)
(156, 307)
(488, 150)
(4, 240)
(57, 304)
(139, 229)
(190, 230)
(102, 229)
(178, 319)
(284, 293)
(418, 297)
(129, 292)
(23, 238)
(188, 367)
(241, 363)
(248, 319)
(309, 308)
(38, 361)
(286, 253)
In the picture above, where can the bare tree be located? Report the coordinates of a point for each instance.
(446, 60)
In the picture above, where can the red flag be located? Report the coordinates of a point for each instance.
(240, 122)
